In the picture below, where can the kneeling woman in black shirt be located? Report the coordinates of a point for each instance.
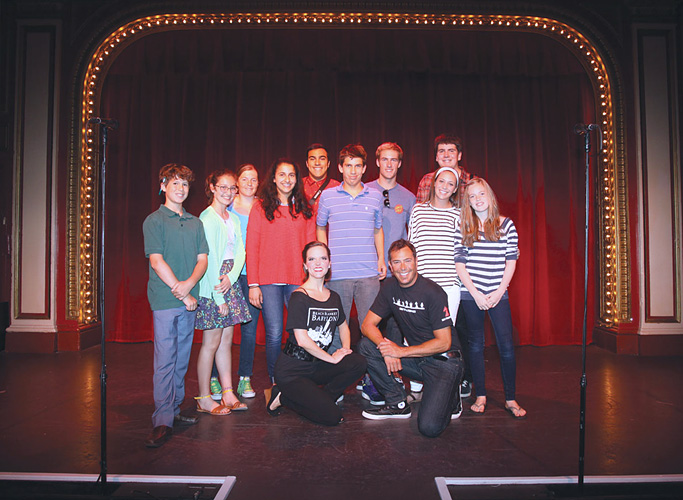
(308, 380)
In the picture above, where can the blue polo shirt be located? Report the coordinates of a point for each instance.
(351, 234)
(395, 217)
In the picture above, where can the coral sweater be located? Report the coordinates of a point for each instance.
(274, 247)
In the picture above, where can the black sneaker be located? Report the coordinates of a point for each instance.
(400, 410)
(457, 411)
(465, 389)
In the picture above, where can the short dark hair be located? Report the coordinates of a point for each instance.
(316, 145)
(447, 139)
(172, 170)
(400, 245)
(352, 151)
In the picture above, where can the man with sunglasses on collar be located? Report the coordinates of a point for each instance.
(398, 201)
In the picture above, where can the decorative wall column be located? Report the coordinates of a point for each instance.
(659, 228)
(32, 310)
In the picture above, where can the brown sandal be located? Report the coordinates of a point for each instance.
(218, 410)
(237, 406)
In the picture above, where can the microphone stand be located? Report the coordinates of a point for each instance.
(585, 131)
(105, 126)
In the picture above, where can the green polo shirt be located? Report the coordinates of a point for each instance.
(179, 239)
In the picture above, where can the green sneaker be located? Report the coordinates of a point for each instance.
(244, 388)
(216, 389)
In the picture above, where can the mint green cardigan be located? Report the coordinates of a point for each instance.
(217, 238)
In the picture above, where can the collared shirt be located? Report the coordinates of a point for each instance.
(395, 215)
(178, 239)
(311, 187)
(426, 183)
(351, 235)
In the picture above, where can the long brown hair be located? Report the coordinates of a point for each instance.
(469, 222)
(297, 199)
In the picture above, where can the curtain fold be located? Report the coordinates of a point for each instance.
(219, 98)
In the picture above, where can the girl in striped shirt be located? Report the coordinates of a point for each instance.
(485, 258)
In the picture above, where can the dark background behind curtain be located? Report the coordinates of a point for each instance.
(212, 99)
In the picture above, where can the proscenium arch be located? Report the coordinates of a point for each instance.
(610, 199)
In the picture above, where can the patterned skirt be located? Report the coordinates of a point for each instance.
(208, 316)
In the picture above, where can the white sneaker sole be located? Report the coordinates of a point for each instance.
(248, 395)
(456, 415)
(372, 416)
(374, 403)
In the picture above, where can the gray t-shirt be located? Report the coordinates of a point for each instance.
(395, 217)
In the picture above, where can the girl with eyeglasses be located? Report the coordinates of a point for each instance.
(221, 301)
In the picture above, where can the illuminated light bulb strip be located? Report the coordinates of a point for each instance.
(568, 36)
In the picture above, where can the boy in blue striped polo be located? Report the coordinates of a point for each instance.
(352, 212)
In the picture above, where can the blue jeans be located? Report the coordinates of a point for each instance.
(248, 334)
(362, 291)
(173, 333)
(275, 298)
(501, 318)
(441, 379)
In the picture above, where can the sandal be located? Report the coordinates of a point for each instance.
(515, 411)
(237, 406)
(219, 410)
(478, 408)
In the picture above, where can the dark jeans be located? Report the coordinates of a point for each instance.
(300, 385)
(463, 337)
(441, 379)
(275, 299)
(248, 334)
(501, 318)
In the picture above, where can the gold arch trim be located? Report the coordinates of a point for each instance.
(611, 213)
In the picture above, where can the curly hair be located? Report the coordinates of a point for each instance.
(172, 170)
(298, 204)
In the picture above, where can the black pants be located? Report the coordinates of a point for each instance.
(311, 388)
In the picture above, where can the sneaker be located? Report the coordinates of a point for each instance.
(244, 388)
(465, 389)
(415, 386)
(371, 394)
(400, 410)
(457, 411)
(359, 385)
(216, 389)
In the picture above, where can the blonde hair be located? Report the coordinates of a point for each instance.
(469, 222)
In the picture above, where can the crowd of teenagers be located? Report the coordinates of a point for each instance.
(422, 271)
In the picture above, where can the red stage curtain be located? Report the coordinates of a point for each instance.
(219, 98)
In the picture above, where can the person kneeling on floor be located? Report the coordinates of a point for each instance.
(420, 308)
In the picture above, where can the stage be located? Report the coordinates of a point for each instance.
(50, 407)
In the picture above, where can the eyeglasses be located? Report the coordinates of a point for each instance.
(223, 189)
(385, 193)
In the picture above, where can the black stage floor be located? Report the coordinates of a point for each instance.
(50, 422)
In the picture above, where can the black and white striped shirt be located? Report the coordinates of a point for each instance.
(432, 231)
(485, 261)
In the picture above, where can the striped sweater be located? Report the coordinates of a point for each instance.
(485, 261)
(432, 231)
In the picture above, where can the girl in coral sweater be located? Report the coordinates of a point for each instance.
(280, 224)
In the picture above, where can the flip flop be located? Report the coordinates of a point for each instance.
(478, 405)
(511, 410)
